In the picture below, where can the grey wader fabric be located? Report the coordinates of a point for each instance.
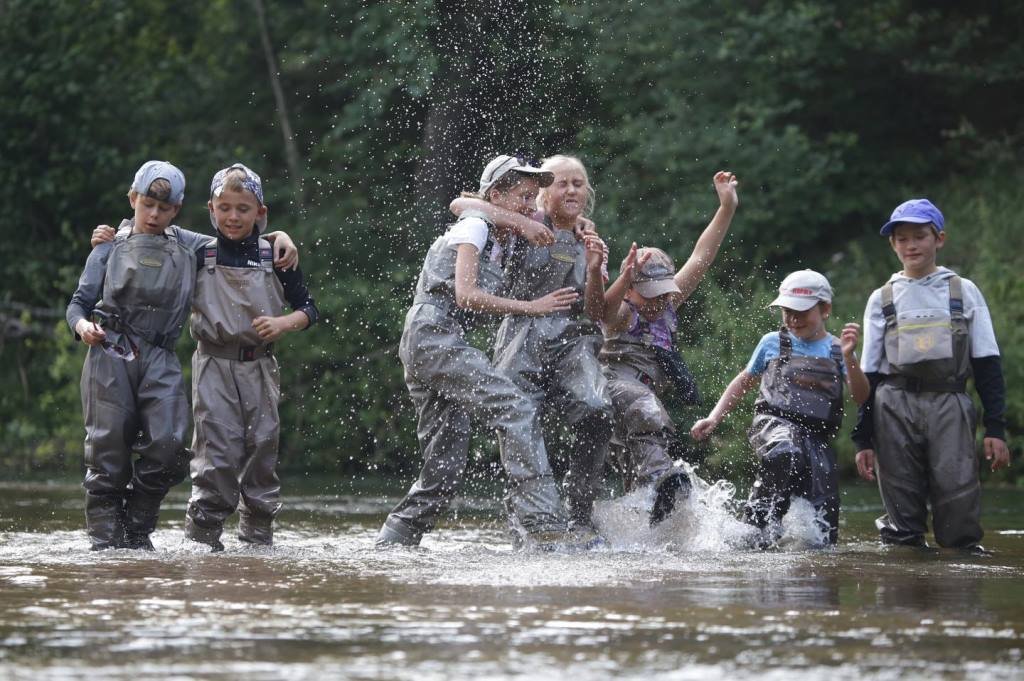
(137, 405)
(235, 395)
(924, 426)
(449, 382)
(643, 427)
(553, 360)
(798, 411)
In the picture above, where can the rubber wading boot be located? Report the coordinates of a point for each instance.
(395, 535)
(668, 491)
(576, 540)
(141, 511)
(255, 531)
(204, 535)
(104, 521)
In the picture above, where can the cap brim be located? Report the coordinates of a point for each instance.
(543, 177)
(658, 287)
(798, 303)
(891, 225)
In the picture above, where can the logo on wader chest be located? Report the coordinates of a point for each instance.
(924, 343)
(564, 257)
(150, 262)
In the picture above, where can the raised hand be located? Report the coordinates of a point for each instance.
(849, 338)
(556, 301)
(725, 186)
(102, 234)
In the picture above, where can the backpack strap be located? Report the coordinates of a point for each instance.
(956, 298)
(888, 308)
(266, 255)
(210, 255)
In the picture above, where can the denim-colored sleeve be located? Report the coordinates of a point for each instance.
(90, 286)
(193, 241)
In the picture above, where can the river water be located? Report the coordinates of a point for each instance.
(684, 602)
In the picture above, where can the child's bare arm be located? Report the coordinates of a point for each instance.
(737, 388)
(535, 232)
(710, 240)
(272, 328)
(617, 314)
(470, 296)
(860, 388)
(593, 291)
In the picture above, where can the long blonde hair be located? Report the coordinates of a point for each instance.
(559, 160)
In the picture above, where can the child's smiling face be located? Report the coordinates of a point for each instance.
(566, 198)
(236, 213)
(649, 308)
(520, 198)
(808, 324)
(151, 215)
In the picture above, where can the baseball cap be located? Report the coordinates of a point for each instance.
(503, 164)
(657, 276)
(918, 211)
(250, 180)
(151, 171)
(802, 290)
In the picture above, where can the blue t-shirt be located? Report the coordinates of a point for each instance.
(768, 349)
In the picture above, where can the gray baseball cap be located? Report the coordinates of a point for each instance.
(658, 275)
(802, 290)
(151, 171)
(504, 164)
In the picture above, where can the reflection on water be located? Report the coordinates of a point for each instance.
(680, 602)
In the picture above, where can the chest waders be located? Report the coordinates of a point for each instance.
(639, 374)
(924, 425)
(139, 404)
(553, 360)
(450, 381)
(798, 412)
(235, 393)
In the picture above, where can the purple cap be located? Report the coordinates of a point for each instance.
(917, 211)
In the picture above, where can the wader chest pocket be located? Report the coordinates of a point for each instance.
(921, 338)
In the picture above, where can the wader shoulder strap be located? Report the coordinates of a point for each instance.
(210, 255)
(785, 344)
(888, 308)
(956, 298)
(836, 353)
(266, 255)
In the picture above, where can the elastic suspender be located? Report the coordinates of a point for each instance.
(210, 255)
(837, 356)
(785, 344)
(266, 255)
(956, 298)
(888, 308)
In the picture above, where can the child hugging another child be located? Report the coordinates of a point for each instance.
(799, 408)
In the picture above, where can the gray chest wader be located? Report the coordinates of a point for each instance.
(639, 372)
(797, 413)
(138, 404)
(553, 359)
(235, 394)
(449, 382)
(924, 426)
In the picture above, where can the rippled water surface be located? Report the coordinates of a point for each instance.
(684, 602)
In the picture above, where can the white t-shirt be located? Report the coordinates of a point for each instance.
(473, 230)
(932, 293)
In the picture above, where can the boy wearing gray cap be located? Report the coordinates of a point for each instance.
(640, 357)
(926, 331)
(799, 408)
(450, 381)
(237, 316)
(130, 307)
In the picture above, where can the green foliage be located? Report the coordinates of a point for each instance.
(830, 113)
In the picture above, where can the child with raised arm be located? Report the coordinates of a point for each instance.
(799, 409)
(553, 358)
(641, 359)
(926, 332)
(450, 381)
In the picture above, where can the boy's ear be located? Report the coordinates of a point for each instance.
(825, 308)
(133, 196)
(262, 212)
(940, 239)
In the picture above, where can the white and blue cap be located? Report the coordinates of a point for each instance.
(917, 211)
(249, 179)
(802, 290)
(504, 164)
(150, 172)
